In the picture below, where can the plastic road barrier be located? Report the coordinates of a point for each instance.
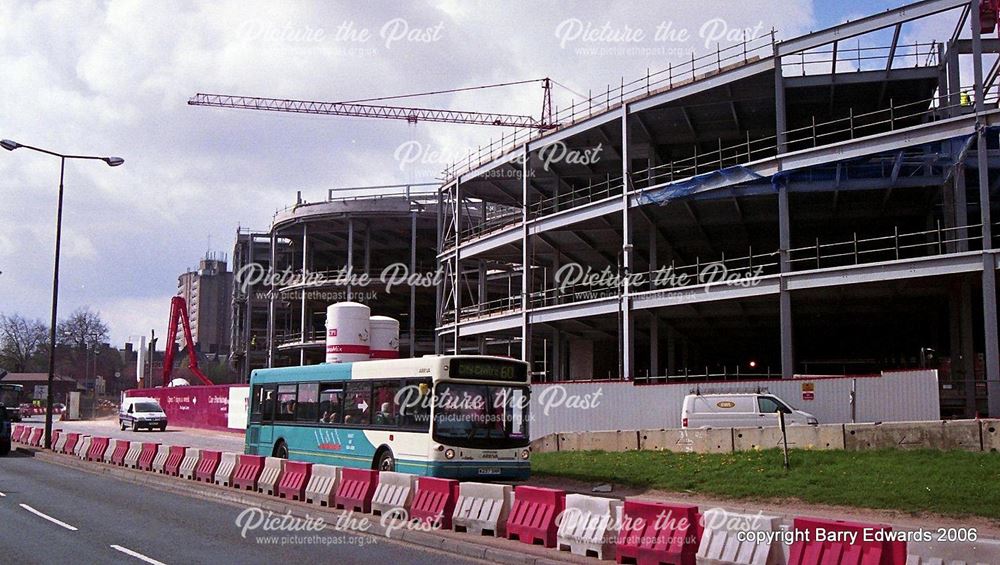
(653, 533)
(394, 491)
(55, 437)
(15, 433)
(322, 484)
(434, 502)
(59, 444)
(224, 470)
(533, 516)
(36, 437)
(189, 464)
(207, 464)
(112, 446)
(482, 509)
(175, 456)
(294, 480)
(843, 543)
(160, 460)
(98, 446)
(121, 449)
(23, 435)
(132, 455)
(589, 526)
(82, 446)
(71, 440)
(356, 489)
(248, 469)
(270, 476)
(720, 544)
(147, 455)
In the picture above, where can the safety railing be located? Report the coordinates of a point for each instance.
(417, 193)
(496, 218)
(313, 337)
(858, 58)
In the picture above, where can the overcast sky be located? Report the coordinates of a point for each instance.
(113, 78)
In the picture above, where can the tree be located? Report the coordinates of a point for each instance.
(84, 329)
(22, 343)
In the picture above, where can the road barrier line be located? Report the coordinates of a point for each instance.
(137, 555)
(47, 517)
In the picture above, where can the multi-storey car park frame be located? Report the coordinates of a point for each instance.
(847, 175)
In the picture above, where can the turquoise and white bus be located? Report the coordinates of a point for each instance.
(459, 416)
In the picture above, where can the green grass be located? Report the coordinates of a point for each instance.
(957, 483)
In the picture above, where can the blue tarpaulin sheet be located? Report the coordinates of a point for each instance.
(697, 184)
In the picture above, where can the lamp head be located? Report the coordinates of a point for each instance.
(9, 145)
(114, 161)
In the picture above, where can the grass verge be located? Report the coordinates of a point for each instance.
(957, 483)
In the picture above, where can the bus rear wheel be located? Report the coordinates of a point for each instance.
(386, 461)
(281, 450)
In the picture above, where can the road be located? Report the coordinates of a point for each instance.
(200, 439)
(54, 514)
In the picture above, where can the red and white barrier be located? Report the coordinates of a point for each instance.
(121, 450)
(175, 456)
(482, 509)
(224, 472)
(589, 526)
(98, 446)
(356, 489)
(189, 463)
(270, 476)
(82, 446)
(248, 470)
(208, 464)
(721, 534)
(59, 444)
(160, 460)
(147, 455)
(132, 455)
(861, 552)
(434, 502)
(656, 532)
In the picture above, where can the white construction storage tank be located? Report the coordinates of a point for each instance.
(385, 337)
(348, 332)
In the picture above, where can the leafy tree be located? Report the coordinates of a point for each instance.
(84, 329)
(23, 343)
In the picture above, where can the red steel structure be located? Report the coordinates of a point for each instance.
(179, 311)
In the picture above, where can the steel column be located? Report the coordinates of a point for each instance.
(272, 305)
(627, 339)
(302, 318)
(784, 296)
(525, 264)
(413, 288)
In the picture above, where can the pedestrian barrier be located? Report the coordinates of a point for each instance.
(175, 456)
(356, 489)
(720, 539)
(270, 476)
(112, 445)
(71, 440)
(532, 518)
(394, 491)
(208, 463)
(189, 464)
(15, 433)
(160, 460)
(322, 484)
(82, 446)
(36, 437)
(132, 455)
(589, 526)
(147, 455)
(121, 450)
(98, 446)
(482, 509)
(293, 481)
(224, 471)
(248, 470)
(434, 502)
(864, 550)
(55, 437)
(654, 532)
(59, 444)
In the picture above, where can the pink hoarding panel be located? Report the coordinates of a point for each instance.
(205, 407)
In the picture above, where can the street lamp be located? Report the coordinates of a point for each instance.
(112, 162)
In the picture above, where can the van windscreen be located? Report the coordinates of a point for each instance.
(147, 407)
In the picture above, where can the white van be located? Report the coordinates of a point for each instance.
(739, 411)
(140, 412)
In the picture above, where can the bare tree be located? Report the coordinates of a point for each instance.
(22, 343)
(84, 329)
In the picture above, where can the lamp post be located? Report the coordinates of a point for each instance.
(112, 162)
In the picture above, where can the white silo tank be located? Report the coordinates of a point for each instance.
(385, 337)
(347, 332)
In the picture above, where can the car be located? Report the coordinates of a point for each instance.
(141, 412)
(743, 410)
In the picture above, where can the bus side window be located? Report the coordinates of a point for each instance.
(331, 404)
(386, 409)
(357, 403)
(285, 406)
(256, 403)
(415, 412)
(307, 402)
(268, 402)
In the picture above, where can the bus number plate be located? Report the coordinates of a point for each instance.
(489, 470)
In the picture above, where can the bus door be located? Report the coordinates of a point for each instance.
(266, 434)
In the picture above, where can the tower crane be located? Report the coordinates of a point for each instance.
(361, 109)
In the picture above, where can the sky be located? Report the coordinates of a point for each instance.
(113, 78)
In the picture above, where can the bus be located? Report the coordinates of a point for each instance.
(454, 416)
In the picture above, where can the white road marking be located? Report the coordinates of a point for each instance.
(47, 517)
(137, 555)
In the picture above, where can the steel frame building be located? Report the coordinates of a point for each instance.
(844, 184)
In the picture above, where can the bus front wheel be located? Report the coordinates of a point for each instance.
(281, 450)
(385, 461)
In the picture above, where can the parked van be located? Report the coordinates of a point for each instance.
(739, 411)
(139, 412)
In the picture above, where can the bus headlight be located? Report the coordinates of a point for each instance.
(449, 454)
(525, 454)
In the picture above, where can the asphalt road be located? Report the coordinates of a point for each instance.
(54, 514)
